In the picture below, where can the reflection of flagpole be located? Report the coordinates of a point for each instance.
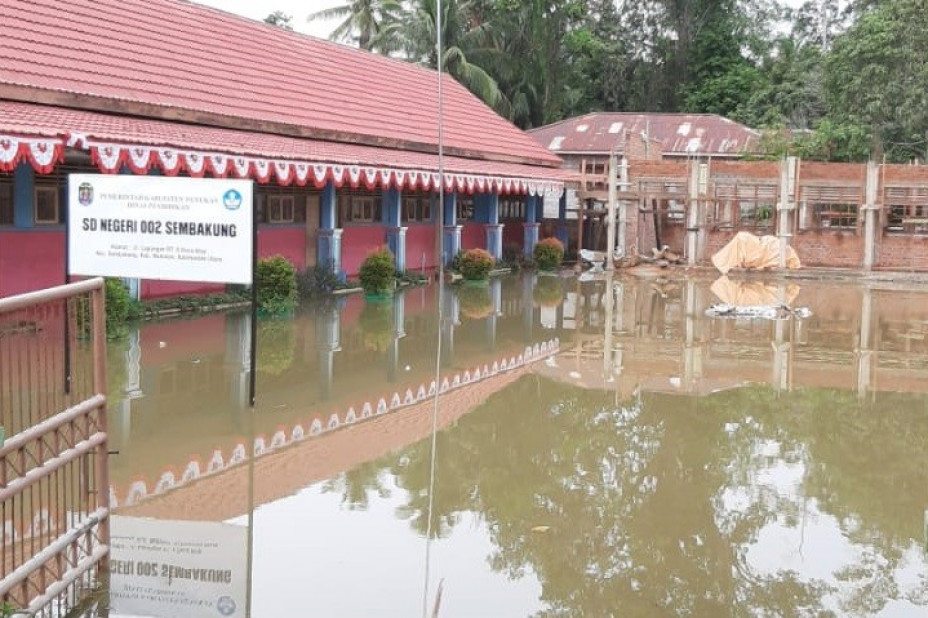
(250, 547)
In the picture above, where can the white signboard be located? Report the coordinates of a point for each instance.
(151, 227)
(551, 207)
(177, 569)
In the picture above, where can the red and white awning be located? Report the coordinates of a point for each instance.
(40, 135)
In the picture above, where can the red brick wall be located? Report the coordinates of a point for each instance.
(832, 249)
(30, 260)
(902, 252)
(357, 242)
(473, 236)
(420, 241)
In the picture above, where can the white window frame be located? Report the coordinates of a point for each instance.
(54, 192)
(277, 206)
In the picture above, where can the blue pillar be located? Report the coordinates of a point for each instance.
(496, 294)
(452, 231)
(531, 225)
(23, 195)
(493, 227)
(399, 331)
(329, 247)
(328, 342)
(562, 233)
(396, 233)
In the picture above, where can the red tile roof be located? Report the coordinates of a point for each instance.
(181, 61)
(679, 134)
(41, 120)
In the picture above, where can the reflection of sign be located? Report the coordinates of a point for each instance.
(177, 569)
(149, 227)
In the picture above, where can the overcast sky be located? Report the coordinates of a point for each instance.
(299, 9)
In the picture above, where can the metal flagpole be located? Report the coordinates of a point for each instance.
(441, 301)
(254, 303)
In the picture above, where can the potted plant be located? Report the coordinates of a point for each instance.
(378, 273)
(548, 254)
(276, 281)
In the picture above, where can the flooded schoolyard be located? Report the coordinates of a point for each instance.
(596, 454)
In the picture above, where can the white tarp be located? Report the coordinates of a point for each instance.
(746, 250)
(177, 569)
(154, 227)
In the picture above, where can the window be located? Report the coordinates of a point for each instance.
(280, 208)
(511, 208)
(752, 214)
(47, 211)
(6, 200)
(360, 208)
(417, 208)
(465, 209)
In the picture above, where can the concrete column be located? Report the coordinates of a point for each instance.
(530, 226)
(610, 216)
(329, 245)
(622, 237)
(609, 323)
(782, 348)
(23, 196)
(786, 206)
(393, 220)
(692, 215)
(692, 347)
(871, 214)
(562, 233)
(452, 231)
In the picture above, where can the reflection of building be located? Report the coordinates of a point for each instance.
(656, 336)
(342, 161)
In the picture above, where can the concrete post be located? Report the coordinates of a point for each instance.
(531, 225)
(786, 205)
(329, 245)
(622, 240)
(692, 215)
(871, 214)
(610, 217)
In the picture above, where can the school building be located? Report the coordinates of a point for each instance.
(342, 144)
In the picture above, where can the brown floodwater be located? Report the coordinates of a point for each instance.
(595, 454)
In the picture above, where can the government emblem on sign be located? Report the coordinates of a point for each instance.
(85, 194)
(232, 199)
(225, 605)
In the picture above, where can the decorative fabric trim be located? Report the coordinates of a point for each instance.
(43, 154)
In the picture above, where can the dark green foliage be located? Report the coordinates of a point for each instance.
(549, 254)
(276, 341)
(475, 301)
(476, 264)
(378, 272)
(548, 292)
(316, 281)
(276, 281)
(376, 322)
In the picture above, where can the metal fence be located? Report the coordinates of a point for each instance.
(54, 485)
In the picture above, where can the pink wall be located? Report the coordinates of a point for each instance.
(30, 260)
(513, 233)
(357, 242)
(289, 241)
(420, 239)
(473, 236)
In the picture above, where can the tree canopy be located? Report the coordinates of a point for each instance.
(830, 79)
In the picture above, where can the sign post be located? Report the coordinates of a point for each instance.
(157, 227)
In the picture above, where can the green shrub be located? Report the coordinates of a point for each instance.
(316, 281)
(549, 254)
(476, 264)
(276, 281)
(378, 272)
(120, 308)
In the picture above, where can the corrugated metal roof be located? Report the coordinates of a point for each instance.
(175, 58)
(679, 134)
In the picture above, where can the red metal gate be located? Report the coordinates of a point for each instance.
(54, 485)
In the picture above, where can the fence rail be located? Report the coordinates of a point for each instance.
(54, 481)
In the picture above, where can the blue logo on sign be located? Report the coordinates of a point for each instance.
(232, 199)
(225, 606)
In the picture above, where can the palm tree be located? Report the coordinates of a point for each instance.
(362, 20)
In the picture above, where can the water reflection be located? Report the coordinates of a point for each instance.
(657, 461)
